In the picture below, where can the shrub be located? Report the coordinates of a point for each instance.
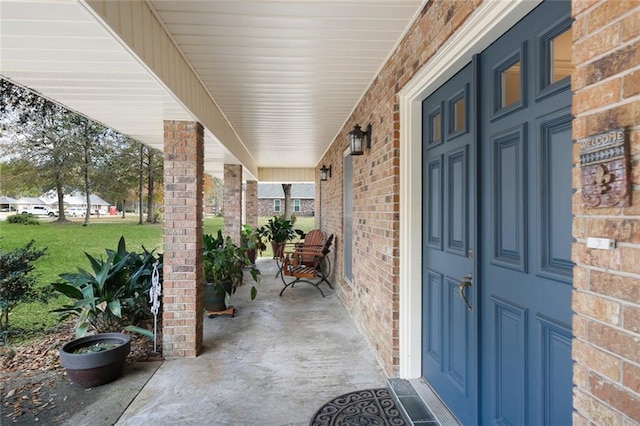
(23, 219)
(16, 281)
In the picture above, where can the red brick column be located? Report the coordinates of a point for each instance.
(232, 201)
(251, 216)
(182, 291)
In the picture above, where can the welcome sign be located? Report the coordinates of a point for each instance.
(604, 161)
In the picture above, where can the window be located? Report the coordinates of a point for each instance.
(296, 206)
(510, 88)
(347, 233)
(554, 51)
(509, 82)
(276, 206)
(459, 116)
(560, 62)
(435, 135)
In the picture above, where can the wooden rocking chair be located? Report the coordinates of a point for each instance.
(311, 242)
(307, 264)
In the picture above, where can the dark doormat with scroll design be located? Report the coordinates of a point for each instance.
(364, 407)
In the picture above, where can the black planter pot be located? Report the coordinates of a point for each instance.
(214, 296)
(252, 255)
(95, 368)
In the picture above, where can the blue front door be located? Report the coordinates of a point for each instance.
(449, 342)
(501, 237)
(525, 276)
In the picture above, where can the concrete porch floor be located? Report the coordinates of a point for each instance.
(277, 362)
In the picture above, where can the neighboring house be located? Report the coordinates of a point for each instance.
(271, 199)
(7, 204)
(78, 199)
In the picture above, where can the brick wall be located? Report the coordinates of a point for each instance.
(372, 297)
(182, 294)
(606, 300)
(232, 201)
(265, 207)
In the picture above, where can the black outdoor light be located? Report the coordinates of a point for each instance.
(359, 140)
(325, 173)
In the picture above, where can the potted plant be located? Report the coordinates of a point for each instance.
(278, 231)
(252, 239)
(96, 359)
(113, 294)
(224, 264)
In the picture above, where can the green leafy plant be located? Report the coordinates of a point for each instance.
(113, 292)
(16, 281)
(225, 262)
(23, 219)
(253, 238)
(98, 347)
(280, 230)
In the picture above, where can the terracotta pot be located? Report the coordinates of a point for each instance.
(277, 249)
(91, 369)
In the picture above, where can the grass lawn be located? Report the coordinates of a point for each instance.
(67, 243)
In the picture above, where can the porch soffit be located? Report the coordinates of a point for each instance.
(272, 81)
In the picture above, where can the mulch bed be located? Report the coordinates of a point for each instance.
(35, 388)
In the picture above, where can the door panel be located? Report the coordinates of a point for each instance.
(457, 208)
(525, 208)
(449, 327)
(555, 213)
(509, 224)
(509, 363)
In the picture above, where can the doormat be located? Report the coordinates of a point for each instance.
(364, 407)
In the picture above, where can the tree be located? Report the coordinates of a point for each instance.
(20, 178)
(88, 135)
(213, 189)
(48, 146)
(16, 281)
(40, 131)
(140, 183)
(94, 138)
(116, 173)
(154, 175)
(288, 208)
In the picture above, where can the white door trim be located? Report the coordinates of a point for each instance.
(488, 22)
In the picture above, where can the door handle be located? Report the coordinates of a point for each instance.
(466, 281)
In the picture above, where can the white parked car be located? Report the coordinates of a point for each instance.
(76, 212)
(40, 211)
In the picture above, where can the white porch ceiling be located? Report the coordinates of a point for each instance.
(286, 74)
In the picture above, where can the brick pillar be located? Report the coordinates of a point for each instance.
(606, 296)
(182, 289)
(232, 201)
(252, 203)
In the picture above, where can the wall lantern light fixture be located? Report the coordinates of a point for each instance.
(325, 173)
(359, 140)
